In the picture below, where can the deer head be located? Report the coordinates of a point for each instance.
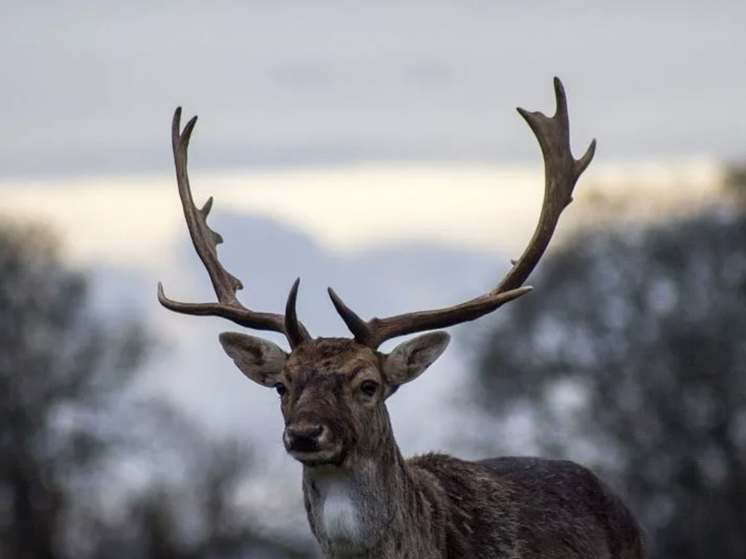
(333, 390)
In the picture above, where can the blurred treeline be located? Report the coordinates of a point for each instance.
(630, 357)
(86, 470)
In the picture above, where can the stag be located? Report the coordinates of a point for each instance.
(362, 498)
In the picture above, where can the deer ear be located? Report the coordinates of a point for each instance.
(410, 359)
(260, 360)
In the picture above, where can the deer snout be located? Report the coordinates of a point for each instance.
(304, 436)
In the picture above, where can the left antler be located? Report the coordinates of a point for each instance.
(561, 173)
(205, 242)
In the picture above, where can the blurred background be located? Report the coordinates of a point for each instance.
(373, 147)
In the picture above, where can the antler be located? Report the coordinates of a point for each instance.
(205, 242)
(561, 173)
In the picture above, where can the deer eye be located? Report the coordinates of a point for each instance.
(369, 387)
(281, 388)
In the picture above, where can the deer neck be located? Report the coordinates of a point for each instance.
(367, 508)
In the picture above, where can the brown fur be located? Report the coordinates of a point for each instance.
(435, 506)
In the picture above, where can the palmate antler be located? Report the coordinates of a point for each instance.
(205, 242)
(561, 173)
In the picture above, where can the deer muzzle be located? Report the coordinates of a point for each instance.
(310, 441)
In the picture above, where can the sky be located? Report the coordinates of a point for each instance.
(360, 123)
(367, 145)
(90, 87)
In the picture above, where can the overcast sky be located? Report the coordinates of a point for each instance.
(90, 86)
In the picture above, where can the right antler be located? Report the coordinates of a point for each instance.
(205, 242)
(561, 173)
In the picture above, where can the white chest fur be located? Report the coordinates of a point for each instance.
(339, 514)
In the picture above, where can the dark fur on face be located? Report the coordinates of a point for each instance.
(324, 386)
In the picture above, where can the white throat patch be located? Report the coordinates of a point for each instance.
(339, 513)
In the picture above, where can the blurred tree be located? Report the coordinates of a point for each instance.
(631, 356)
(213, 483)
(63, 372)
(194, 510)
(59, 364)
(735, 180)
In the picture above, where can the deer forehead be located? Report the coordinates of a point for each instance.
(331, 356)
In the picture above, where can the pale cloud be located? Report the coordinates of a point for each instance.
(137, 219)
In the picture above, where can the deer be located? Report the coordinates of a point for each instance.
(363, 499)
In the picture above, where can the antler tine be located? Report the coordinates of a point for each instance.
(377, 330)
(205, 242)
(295, 332)
(561, 174)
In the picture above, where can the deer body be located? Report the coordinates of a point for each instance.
(438, 507)
(362, 498)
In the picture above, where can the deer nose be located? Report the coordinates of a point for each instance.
(304, 436)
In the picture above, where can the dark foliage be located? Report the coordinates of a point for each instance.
(631, 355)
(64, 433)
(735, 180)
(59, 365)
